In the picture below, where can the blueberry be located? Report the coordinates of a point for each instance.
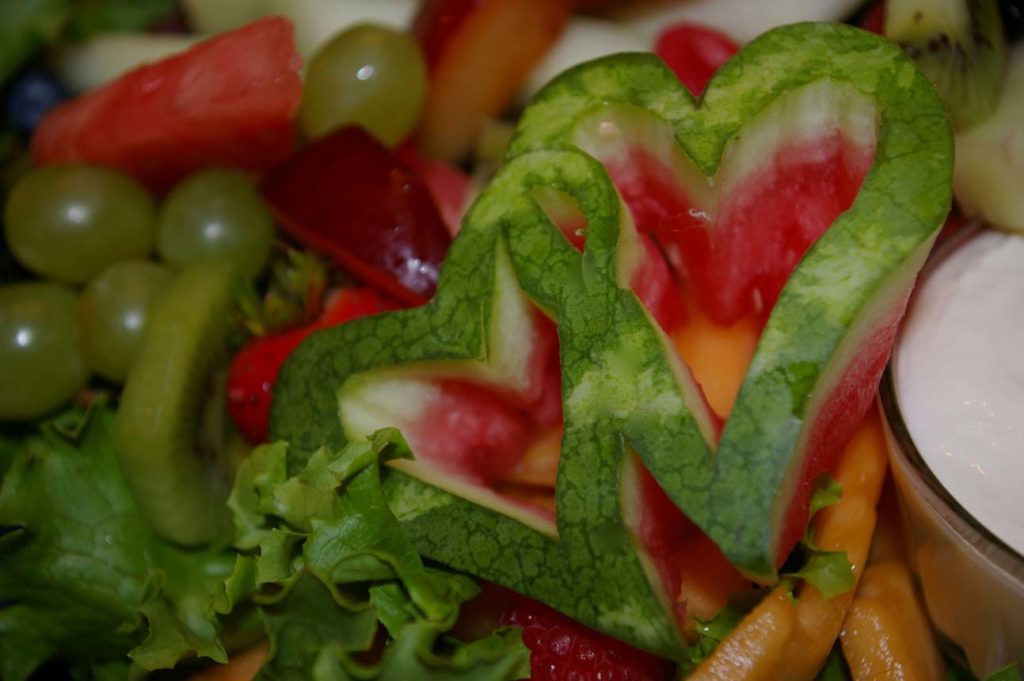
(32, 93)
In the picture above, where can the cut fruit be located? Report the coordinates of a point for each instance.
(694, 53)
(737, 237)
(788, 636)
(960, 46)
(650, 18)
(228, 101)
(254, 368)
(171, 423)
(479, 53)
(106, 57)
(448, 184)
(316, 21)
(887, 634)
(990, 157)
(624, 390)
(350, 197)
(563, 649)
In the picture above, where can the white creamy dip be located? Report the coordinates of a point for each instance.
(959, 378)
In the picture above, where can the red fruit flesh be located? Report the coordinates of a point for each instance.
(739, 263)
(874, 18)
(839, 417)
(469, 430)
(656, 288)
(562, 649)
(694, 53)
(694, 574)
(652, 280)
(350, 197)
(254, 368)
(479, 52)
(449, 185)
(228, 101)
(437, 24)
(251, 378)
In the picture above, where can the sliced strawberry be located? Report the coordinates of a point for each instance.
(254, 368)
(694, 53)
(561, 648)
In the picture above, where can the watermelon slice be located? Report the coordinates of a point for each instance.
(228, 101)
(625, 392)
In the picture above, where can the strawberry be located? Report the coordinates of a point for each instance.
(254, 368)
(561, 648)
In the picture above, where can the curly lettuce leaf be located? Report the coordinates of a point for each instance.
(81, 576)
(336, 576)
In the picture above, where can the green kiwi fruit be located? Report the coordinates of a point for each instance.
(171, 427)
(959, 45)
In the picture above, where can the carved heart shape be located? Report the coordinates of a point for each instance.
(623, 388)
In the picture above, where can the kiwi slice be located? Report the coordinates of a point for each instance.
(959, 45)
(170, 426)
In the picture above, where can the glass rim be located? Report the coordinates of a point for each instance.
(950, 511)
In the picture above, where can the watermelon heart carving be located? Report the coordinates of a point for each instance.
(624, 390)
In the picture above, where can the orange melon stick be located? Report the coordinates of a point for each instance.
(886, 634)
(811, 622)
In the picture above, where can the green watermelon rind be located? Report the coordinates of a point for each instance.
(623, 388)
(880, 238)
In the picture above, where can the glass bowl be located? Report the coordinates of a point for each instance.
(972, 582)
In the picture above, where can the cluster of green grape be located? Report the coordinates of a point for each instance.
(90, 233)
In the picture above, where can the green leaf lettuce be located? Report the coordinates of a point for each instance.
(335, 574)
(81, 576)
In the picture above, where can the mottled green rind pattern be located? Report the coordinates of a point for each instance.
(903, 201)
(618, 385)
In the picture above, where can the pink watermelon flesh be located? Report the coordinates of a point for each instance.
(470, 430)
(839, 415)
(736, 267)
(652, 280)
(739, 263)
(228, 101)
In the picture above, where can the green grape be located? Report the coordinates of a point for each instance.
(71, 222)
(370, 76)
(41, 364)
(112, 314)
(216, 215)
